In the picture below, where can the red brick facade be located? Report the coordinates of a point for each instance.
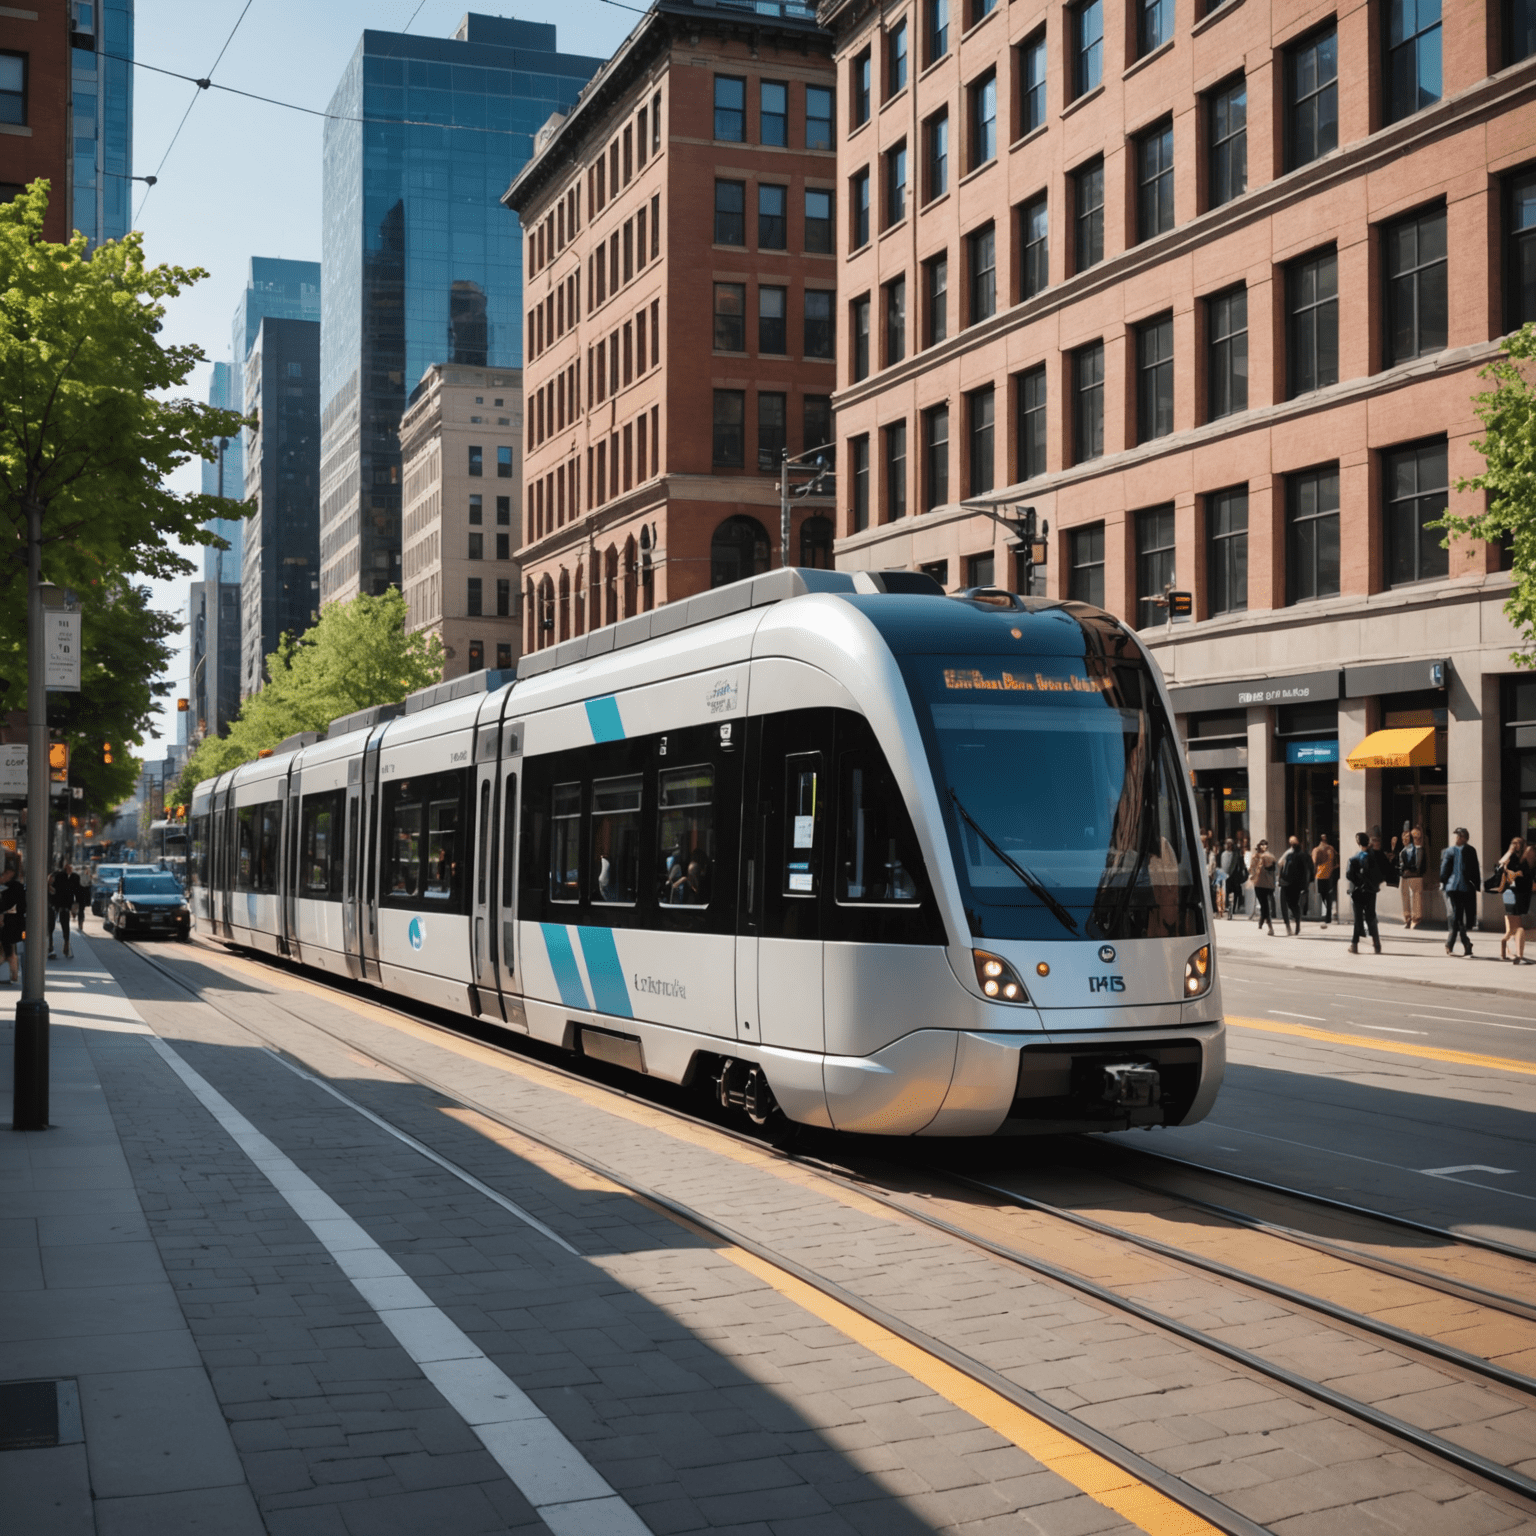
(39, 145)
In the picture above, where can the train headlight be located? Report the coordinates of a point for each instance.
(999, 981)
(1197, 972)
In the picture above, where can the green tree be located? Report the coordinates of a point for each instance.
(358, 655)
(1508, 446)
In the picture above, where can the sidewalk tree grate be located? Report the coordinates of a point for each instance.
(29, 1414)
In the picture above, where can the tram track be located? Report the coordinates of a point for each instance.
(855, 1174)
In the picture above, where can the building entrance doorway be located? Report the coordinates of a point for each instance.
(1312, 803)
(1221, 795)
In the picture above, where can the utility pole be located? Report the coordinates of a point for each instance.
(1031, 538)
(818, 469)
(29, 1099)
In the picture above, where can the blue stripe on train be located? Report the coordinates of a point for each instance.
(562, 961)
(610, 992)
(603, 717)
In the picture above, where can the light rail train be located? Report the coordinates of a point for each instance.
(889, 861)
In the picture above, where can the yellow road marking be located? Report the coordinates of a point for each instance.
(1391, 1047)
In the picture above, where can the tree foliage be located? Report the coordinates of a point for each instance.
(1508, 446)
(358, 655)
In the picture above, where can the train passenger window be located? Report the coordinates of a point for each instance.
(245, 847)
(258, 829)
(875, 856)
(686, 835)
(402, 841)
(802, 823)
(565, 842)
(442, 848)
(485, 841)
(509, 833)
(616, 839)
(197, 865)
(353, 862)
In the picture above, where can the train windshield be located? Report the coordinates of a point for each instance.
(1062, 793)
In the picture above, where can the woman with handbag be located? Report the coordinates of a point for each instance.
(1502, 882)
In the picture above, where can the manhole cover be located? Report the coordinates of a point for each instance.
(29, 1414)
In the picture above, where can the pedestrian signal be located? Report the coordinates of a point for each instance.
(1181, 605)
(106, 752)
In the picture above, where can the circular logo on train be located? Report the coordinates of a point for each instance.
(1106, 951)
(417, 933)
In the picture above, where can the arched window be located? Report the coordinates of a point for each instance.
(631, 570)
(531, 617)
(739, 549)
(611, 585)
(546, 613)
(816, 543)
(565, 604)
(579, 589)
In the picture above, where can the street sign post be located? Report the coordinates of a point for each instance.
(61, 640)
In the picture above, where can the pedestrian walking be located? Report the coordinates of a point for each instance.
(1293, 875)
(13, 918)
(1261, 876)
(1325, 862)
(1229, 873)
(63, 899)
(1461, 879)
(1367, 871)
(1524, 885)
(1412, 865)
(1504, 881)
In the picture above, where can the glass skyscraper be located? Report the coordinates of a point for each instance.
(422, 263)
(224, 476)
(101, 129)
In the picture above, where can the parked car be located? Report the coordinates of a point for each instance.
(104, 880)
(148, 902)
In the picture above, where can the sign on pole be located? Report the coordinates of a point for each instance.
(61, 650)
(13, 772)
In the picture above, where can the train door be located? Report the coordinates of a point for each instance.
(793, 830)
(483, 935)
(288, 872)
(224, 859)
(505, 870)
(368, 894)
(352, 885)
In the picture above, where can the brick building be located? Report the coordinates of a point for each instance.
(1209, 290)
(34, 106)
(680, 294)
(460, 444)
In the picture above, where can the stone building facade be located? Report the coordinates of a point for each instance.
(1209, 288)
(680, 288)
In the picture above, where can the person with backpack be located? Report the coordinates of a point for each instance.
(1261, 876)
(1293, 875)
(1367, 871)
(1325, 861)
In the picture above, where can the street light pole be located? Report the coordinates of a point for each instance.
(29, 1101)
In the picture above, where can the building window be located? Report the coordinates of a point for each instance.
(730, 213)
(730, 109)
(503, 611)
(1035, 252)
(816, 535)
(504, 463)
(818, 220)
(819, 338)
(772, 217)
(730, 317)
(476, 510)
(982, 432)
(730, 414)
(1415, 487)
(936, 30)
(772, 332)
(858, 210)
(1087, 22)
(860, 338)
(503, 511)
(1088, 402)
(1154, 25)
(936, 156)
(1416, 286)
(1154, 379)
(1519, 30)
(895, 471)
(1085, 565)
(773, 113)
(772, 429)
(476, 461)
(981, 570)
(895, 321)
(1228, 127)
(1312, 323)
(13, 88)
(503, 546)
(1031, 443)
(981, 249)
(1413, 56)
(817, 423)
(935, 457)
(1312, 97)
(896, 184)
(1226, 560)
(1154, 564)
(1088, 212)
(474, 599)
(738, 548)
(1031, 84)
(1312, 534)
(476, 549)
(896, 58)
(936, 299)
(818, 117)
(859, 93)
(1226, 322)
(1154, 182)
(983, 99)
(1520, 266)
(858, 464)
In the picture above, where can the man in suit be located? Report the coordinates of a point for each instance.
(1461, 879)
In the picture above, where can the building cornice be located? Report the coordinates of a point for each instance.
(1500, 93)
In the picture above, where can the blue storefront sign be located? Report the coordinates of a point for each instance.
(1311, 751)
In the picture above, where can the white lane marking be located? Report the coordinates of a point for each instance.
(568, 1492)
(511, 1206)
(1388, 1029)
(1440, 1018)
(1311, 1018)
(1445, 1173)
(1476, 1013)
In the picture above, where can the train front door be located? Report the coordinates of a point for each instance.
(352, 886)
(494, 934)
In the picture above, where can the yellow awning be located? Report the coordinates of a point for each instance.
(1409, 747)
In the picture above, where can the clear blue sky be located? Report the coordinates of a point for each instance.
(243, 178)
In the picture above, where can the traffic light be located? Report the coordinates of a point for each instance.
(181, 706)
(106, 752)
